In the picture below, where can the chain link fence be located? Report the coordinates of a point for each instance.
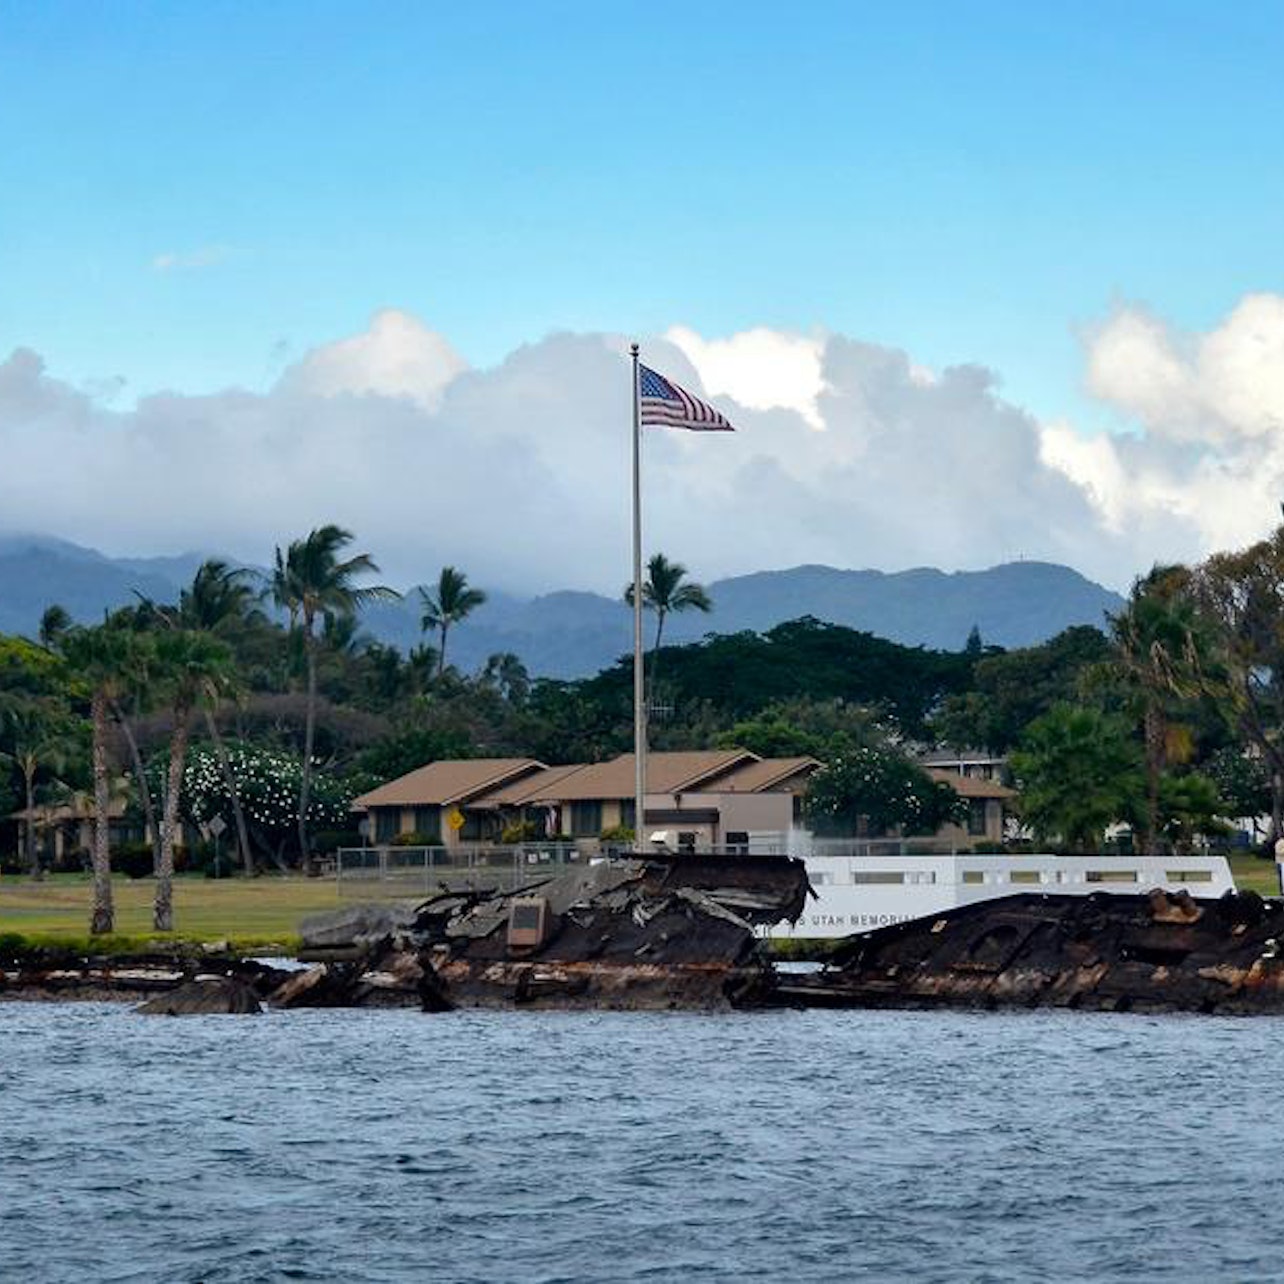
(414, 873)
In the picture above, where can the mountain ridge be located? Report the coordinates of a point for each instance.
(570, 633)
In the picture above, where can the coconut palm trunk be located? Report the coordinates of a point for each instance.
(233, 792)
(29, 829)
(163, 911)
(441, 654)
(103, 916)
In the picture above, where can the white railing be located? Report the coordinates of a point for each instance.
(859, 847)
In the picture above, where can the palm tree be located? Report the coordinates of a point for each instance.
(506, 673)
(664, 592)
(220, 598)
(136, 686)
(421, 665)
(222, 601)
(1161, 653)
(452, 601)
(192, 665)
(99, 658)
(310, 582)
(54, 624)
(38, 734)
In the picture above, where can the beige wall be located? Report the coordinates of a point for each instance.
(958, 834)
(771, 812)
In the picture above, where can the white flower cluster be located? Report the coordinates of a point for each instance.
(267, 782)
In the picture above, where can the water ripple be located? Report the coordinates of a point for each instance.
(573, 1149)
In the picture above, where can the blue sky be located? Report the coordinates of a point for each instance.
(970, 182)
(369, 246)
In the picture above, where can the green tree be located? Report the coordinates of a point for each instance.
(450, 602)
(38, 731)
(1078, 771)
(1162, 657)
(1242, 781)
(222, 602)
(134, 696)
(666, 591)
(100, 659)
(28, 669)
(804, 727)
(1189, 807)
(506, 674)
(311, 582)
(192, 666)
(268, 783)
(54, 623)
(877, 790)
(1013, 688)
(1241, 594)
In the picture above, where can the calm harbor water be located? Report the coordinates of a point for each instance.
(481, 1147)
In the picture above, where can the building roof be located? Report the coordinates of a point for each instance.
(538, 786)
(761, 775)
(971, 786)
(78, 809)
(449, 781)
(666, 773)
(957, 757)
(493, 783)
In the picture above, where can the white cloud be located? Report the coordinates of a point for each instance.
(762, 369)
(397, 357)
(1207, 389)
(1208, 464)
(520, 473)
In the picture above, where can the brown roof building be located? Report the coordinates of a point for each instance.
(709, 794)
(434, 804)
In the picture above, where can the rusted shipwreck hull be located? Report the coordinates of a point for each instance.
(657, 933)
(1159, 952)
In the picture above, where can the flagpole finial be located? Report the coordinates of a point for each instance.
(633, 349)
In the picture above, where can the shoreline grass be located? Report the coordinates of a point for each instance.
(248, 914)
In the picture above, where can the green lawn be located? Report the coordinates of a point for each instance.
(245, 912)
(1252, 874)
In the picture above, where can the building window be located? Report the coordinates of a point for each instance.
(387, 823)
(629, 813)
(586, 819)
(976, 816)
(428, 823)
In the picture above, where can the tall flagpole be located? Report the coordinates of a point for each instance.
(639, 686)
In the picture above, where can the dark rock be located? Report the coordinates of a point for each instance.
(204, 996)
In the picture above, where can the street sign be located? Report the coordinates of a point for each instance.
(455, 819)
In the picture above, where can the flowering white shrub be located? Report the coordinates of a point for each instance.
(268, 782)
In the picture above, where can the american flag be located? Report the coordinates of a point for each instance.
(665, 405)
